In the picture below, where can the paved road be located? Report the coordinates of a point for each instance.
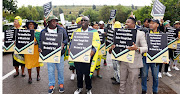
(20, 85)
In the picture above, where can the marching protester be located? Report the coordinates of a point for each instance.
(32, 61)
(71, 64)
(176, 26)
(18, 59)
(104, 31)
(138, 24)
(153, 25)
(131, 70)
(84, 68)
(116, 65)
(52, 27)
(144, 28)
(166, 67)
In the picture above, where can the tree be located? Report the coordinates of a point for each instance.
(93, 15)
(104, 13)
(143, 13)
(10, 5)
(122, 13)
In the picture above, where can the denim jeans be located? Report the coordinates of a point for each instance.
(154, 70)
(60, 71)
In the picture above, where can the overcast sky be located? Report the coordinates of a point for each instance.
(84, 2)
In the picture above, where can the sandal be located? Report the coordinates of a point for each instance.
(30, 81)
(16, 75)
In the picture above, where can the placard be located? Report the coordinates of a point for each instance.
(157, 48)
(81, 46)
(176, 52)
(24, 41)
(9, 39)
(102, 50)
(158, 10)
(70, 30)
(122, 39)
(110, 36)
(112, 16)
(48, 10)
(172, 35)
(51, 47)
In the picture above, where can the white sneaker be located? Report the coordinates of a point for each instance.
(169, 69)
(167, 74)
(72, 76)
(89, 92)
(78, 91)
(160, 75)
(175, 68)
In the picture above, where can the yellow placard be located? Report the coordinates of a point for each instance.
(28, 50)
(126, 57)
(163, 58)
(55, 58)
(173, 45)
(11, 49)
(85, 57)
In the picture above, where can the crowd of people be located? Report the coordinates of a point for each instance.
(122, 70)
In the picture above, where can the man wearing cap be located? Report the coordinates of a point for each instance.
(130, 71)
(177, 24)
(52, 27)
(87, 68)
(153, 25)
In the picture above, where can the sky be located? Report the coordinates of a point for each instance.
(84, 2)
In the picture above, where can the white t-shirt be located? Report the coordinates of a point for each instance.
(101, 30)
(52, 30)
(85, 30)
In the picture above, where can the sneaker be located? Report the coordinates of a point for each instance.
(155, 93)
(61, 88)
(99, 76)
(167, 74)
(89, 92)
(175, 68)
(51, 90)
(115, 83)
(72, 76)
(112, 78)
(169, 69)
(160, 75)
(83, 77)
(78, 91)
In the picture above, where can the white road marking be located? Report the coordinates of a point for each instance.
(8, 74)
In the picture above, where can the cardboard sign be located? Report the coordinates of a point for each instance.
(51, 47)
(122, 39)
(172, 35)
(24, 41)
(102, 50)
(70, 30)
(158, 10)
(62, 18)
(48, 10)
(110, 36)
(9, 39)
(157, 48)
(112, 16)
(81, 46)
(176, 53)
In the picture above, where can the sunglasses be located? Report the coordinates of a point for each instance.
(84, 20)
